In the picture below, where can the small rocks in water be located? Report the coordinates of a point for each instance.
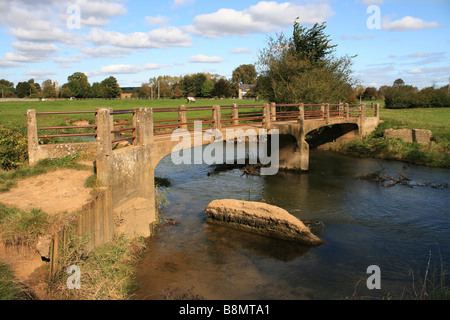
(261, 218)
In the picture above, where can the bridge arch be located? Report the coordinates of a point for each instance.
(128, 173)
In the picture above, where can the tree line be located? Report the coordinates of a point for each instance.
(202, 85)
(77, 86)
(402, 96)
(301, 68)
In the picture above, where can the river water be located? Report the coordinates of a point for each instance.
(403, 230)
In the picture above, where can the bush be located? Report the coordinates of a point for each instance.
(13, 148)
(400, 97)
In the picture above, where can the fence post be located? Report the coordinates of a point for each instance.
(144, 137)
(182, 118)
(267, 116)
(217, 117)
(301, 116)
(104, 144)
(33, 142)
(235, 114)
(327, 113)
(362, 124)
(347, 112)
(273, 111)
(377, 111)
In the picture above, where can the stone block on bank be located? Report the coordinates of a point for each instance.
(410, 135)
(261, 218)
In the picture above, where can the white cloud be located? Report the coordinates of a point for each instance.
(106, 52)
(39, 75)
(4, 63)
(241, 51)
(263, 17)
(418, 55)
(157, 21)
(180, 3)
(415, 71)
(65, 62)
(159, 38)
(125, 69)
(200, 58)
(408, 24)
(372, 2)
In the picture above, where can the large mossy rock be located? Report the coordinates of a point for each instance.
(261, 218)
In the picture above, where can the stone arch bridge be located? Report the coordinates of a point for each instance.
(127, 173)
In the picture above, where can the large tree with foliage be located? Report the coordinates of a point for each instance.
(111, 88)
(79, 85)
(303, 68)
(244, 74)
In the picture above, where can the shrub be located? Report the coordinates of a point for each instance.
(13, 148)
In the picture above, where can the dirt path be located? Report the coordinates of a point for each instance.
(53, 192)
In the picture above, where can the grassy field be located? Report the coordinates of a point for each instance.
(436, 153)
(15, 112)
(437, 120)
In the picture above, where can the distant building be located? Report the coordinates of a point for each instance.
(244, 89)
(126, 96)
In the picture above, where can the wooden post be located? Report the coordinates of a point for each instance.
(33, 143)
(347, 112)
(104, 148)
(273, 111)
(301, 117)
(217, 117)
(362, 123)
(182, 118)
(235, 115)
(327, 113)
(267, 116)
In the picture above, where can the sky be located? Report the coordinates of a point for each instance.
(135, 40)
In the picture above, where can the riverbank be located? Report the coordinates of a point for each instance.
(434, 154)
(35, 203)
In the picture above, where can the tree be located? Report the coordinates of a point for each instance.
(311, 44)
(207, 88)
(46, 83)
(191, 85)
(79, 85)
(23, 89)
(96, 90)
(6, 84)
(399, 82)
(370, 93)
(65, 92)
(222, 89)
(6, 88)
(49, 92)
(303, 69)
(244, 74)
(111, 88)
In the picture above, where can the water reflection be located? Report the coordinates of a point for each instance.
(363, 223)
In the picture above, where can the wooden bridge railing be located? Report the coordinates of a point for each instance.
(166, 120)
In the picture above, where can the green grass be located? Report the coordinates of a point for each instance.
(15, 112)
(435, 119)
(436, 153)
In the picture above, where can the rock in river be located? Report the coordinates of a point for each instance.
(261, 218)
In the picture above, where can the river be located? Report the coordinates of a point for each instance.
(403, 230)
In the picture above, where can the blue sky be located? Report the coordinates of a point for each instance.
(135, 40)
